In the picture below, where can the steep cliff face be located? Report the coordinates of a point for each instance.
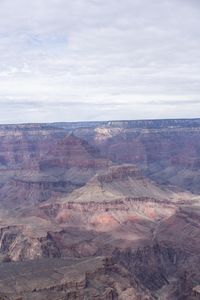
(46, 150)
(167, 150)
(169, 266)
(37, 165)
(119, 204)
(81, 216)
(91, 278)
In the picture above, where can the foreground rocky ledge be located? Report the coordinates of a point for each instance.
(47, 279)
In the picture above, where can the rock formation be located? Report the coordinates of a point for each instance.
(103, 210)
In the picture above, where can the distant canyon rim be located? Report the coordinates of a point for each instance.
(100, 210)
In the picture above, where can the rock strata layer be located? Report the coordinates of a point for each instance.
(103, 210)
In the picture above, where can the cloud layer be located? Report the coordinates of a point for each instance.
(69, 60)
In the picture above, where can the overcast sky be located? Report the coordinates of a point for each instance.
(71, 60)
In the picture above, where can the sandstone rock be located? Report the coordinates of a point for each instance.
(81, 216)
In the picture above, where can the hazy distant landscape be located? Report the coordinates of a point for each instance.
(100, 210)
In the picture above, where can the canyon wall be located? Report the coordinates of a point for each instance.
(86, 201)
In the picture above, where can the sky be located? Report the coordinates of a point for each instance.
(84, 60)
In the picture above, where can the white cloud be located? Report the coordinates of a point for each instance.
(98, 59)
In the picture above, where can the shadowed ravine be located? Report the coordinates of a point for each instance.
(104, 210)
